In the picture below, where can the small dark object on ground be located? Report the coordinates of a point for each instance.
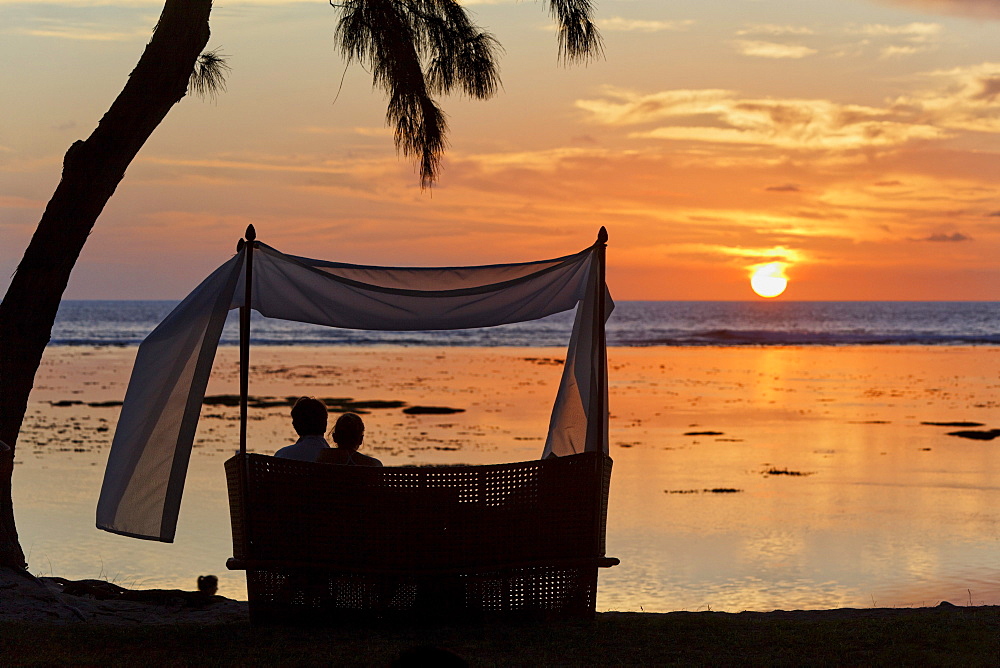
(777, 471)
(208, 584)
(65, 402)
(432, 410)
(977, 434)
(104, 404)
(703, 433)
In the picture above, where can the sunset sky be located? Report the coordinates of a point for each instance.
(856, 141)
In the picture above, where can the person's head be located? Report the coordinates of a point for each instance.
(309, 416)
(349, 431)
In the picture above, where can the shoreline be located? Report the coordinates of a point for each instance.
(55, 600)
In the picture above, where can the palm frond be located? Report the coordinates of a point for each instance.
(419, 48)
(381, 35)
(579, 39)
(458, 53)
(209, 76)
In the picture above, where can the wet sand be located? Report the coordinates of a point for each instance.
(745, 478)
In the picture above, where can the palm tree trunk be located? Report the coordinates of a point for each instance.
(92, 170)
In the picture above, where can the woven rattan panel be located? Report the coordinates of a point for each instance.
(297, 595)
(421, 518)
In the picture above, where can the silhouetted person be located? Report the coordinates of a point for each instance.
(208, 584)
(309, 419)
(348, 433)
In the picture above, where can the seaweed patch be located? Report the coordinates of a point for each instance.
(776, 471)
(953, 424)
(977, 434)
(432, 410)
(713, 490)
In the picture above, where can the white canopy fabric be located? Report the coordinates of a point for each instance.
(148, 463)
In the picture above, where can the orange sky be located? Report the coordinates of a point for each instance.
(858, 141)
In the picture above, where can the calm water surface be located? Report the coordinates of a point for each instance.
(837, 494)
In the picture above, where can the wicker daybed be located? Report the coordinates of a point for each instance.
(322, 541)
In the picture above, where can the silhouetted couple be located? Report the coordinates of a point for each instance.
(309, 418)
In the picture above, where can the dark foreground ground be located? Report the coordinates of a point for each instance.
(947, 635)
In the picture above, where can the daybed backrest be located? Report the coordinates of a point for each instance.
(416, 518)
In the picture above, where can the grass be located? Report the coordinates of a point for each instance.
(966, 636)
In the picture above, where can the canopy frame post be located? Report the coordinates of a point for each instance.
(600, 340)
(250, 238)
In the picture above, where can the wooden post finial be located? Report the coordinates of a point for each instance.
(602, 235)
(251, 233)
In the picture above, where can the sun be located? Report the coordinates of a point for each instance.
(769, 280)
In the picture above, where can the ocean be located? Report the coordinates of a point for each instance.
(768, 455)
(633, 323)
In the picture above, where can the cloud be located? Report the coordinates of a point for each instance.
(826, 134)
(908, 39)
(619, 24)
(994, 213)
(941, 237)
(88, 3)
(899, 51)
(628, 108)
(773, 254)
(981, 9)
(85, 32)
(774, 30)
(224, 167)
(362, 131)
(918, 32)
(966, 98)
(720, 117)
(787, 188)
(373, 132)
(942, 104)
(774, 50)
(888, 184)
(158, 4)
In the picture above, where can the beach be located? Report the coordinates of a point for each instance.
(927, 636)
(745, 478)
